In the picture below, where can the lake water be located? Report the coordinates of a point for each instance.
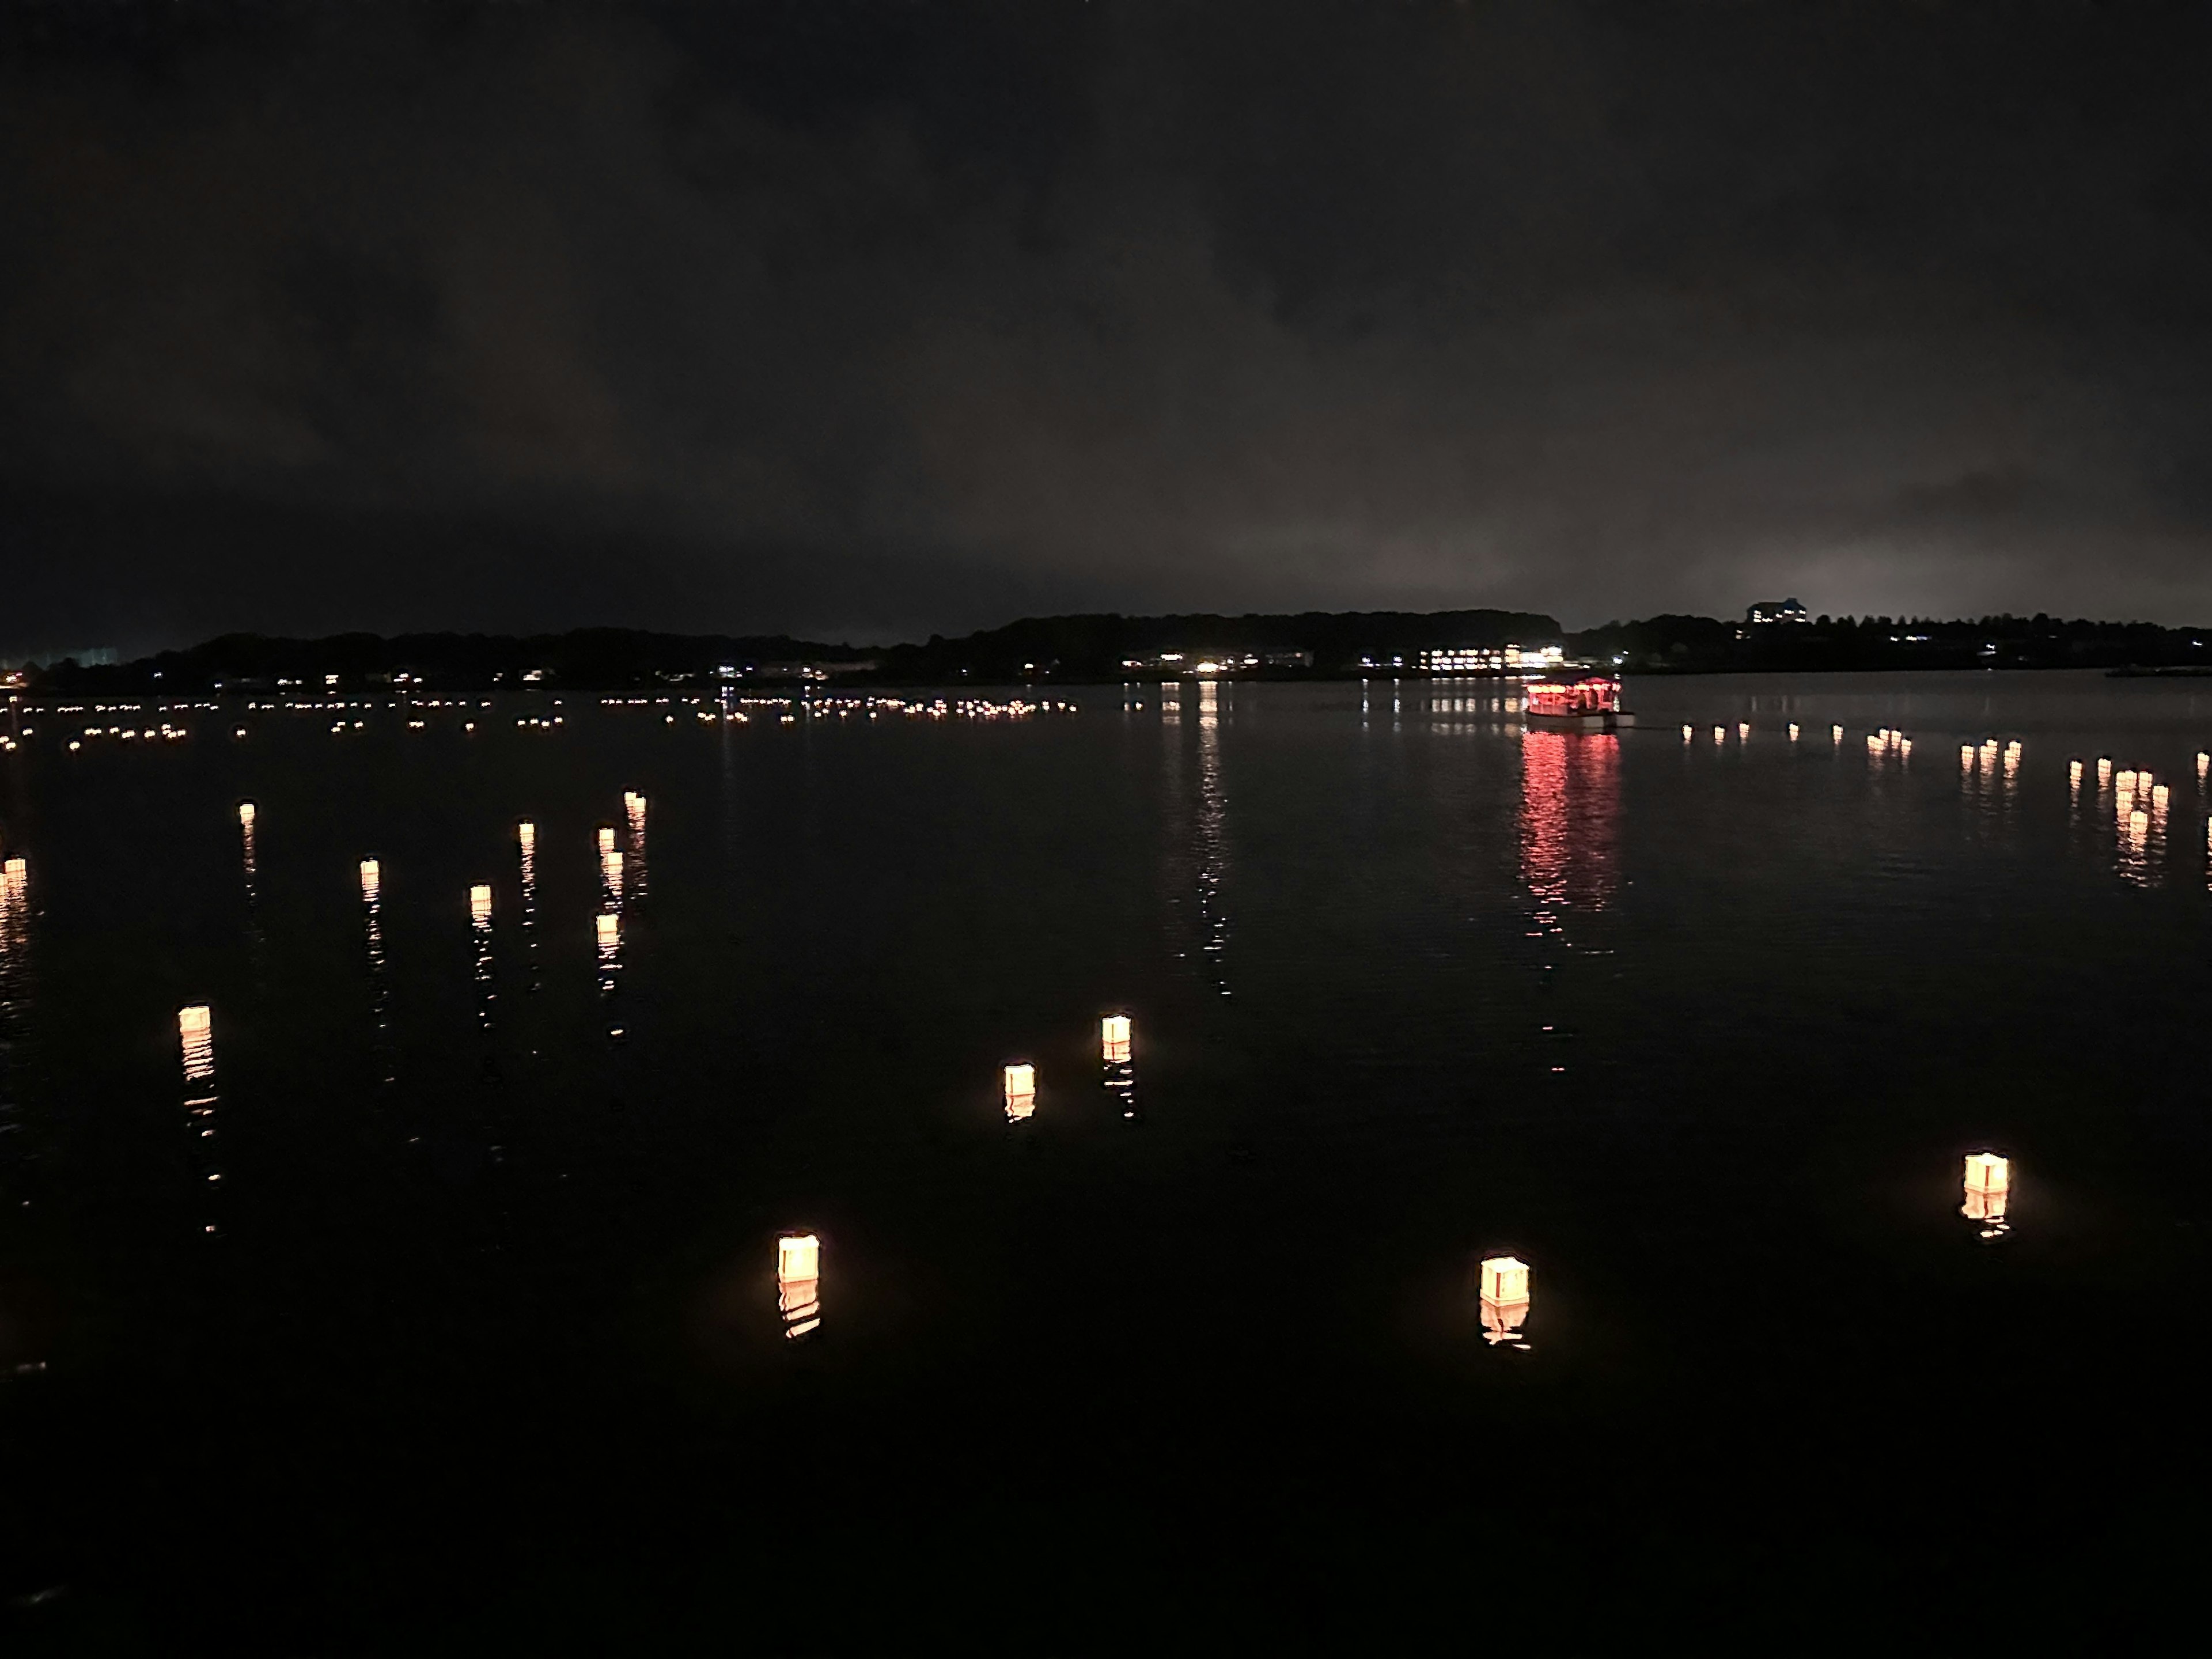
(441, 1312)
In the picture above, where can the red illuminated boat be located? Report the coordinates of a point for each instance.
(1577, 702)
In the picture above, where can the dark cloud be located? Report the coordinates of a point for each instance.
(864, 319)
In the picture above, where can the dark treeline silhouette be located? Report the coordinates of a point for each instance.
(1100, 649)
(1705, 645)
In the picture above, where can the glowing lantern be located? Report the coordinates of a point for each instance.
(1687, 734)
(2128, 782)
(1720, 734)
(196, 1031)
(370, 877)
(1904, 748)
(246, 814)
(526, 833)
(480, 904)
(634, 803)
(1836, 733)
(608, 926)
(1504, 1296)
(1793, 730)
(606, 840)
(1989, 1185)
(1743, 730)
(1021, 1090)
(2104, 770)
(2074, 773)
(1114, 1039)
(2159, 795)
(2138, 824)
(798, 1256)
(2203, 764)
(798, 1282)
(16, 869)
(1966, 758)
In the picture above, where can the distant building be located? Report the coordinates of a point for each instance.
(1491, 660)
(1777, 611)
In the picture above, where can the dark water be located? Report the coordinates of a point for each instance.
(474, 1338)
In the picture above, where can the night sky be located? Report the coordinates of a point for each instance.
(864, 320)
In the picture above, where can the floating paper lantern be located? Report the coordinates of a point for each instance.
(480, 904)
(2104, 770)
(1966, 758)
(2138, 824)
(634, 803)
(1504, 1296)
(1836, 733)
(2074, 773)
(606, 839)
(1021, 1090)
(371, 877)
(15, 869)
(607, 926)
(246, 814)
(2159, 795)
(798, 1282)
(1988, 1186)
(1793, 730)
(2203, 764)
(1743, 730)
(196, 1031)
(1505, 1278)
(1114, 1038)
(798, 1256)
(2127, 781)
(1720, 734)
(1903, 748)
(1687, 733)
(526, 833)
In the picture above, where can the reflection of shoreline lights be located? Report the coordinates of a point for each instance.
(1988, 1189)
(480, 905)
(1021, 1090)
(798, 1282)
(195, 1032)
(1504, 1296)
(1114, 1038)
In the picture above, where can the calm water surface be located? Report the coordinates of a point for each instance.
(442, 1309)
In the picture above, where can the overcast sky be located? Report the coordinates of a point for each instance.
(871, 319)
